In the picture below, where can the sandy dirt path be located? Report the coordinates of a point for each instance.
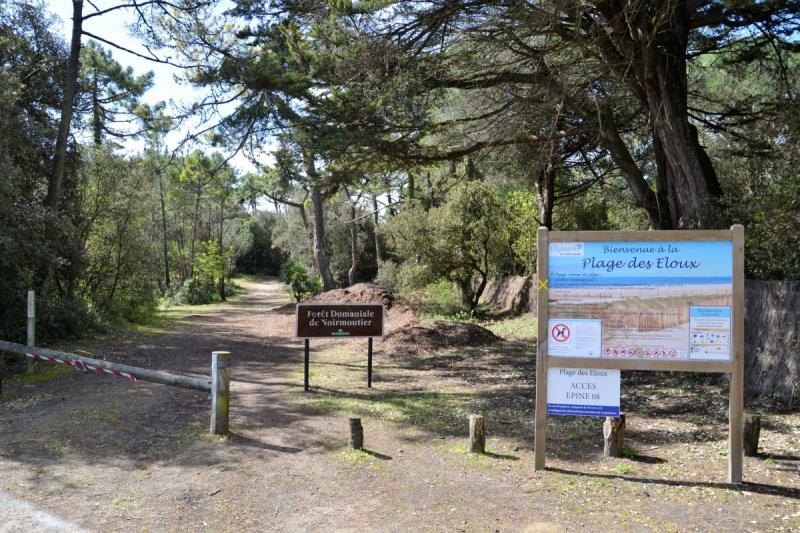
(108, 455)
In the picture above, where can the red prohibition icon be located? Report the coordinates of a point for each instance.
(560, 333)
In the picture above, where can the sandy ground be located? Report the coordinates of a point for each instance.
(108, 455)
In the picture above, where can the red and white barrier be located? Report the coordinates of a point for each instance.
(81, 366)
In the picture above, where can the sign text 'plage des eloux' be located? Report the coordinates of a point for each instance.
(339, 320)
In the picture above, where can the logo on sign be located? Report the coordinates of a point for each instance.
(566, 249)
(561, 333)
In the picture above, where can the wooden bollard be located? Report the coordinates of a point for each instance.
(220, 392)
(751, 434)
(477, 434)
(614, 436)
(356, 441)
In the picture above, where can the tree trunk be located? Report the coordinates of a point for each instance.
(379, 255)
(545, 187)
(309, 231)
(120, 235)
(164, 229)
(194, 233)
(67, 106)
(351, 274)
(97, 122)
(693, 183)
(647, 47)
(221, 249)
(478, 292)
(320, 257)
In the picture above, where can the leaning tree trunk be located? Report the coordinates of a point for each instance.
(320, 257)
(379, 255)
(53, 198)
(67, 106)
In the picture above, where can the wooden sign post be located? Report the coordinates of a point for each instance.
(339, 320)
(642, 300)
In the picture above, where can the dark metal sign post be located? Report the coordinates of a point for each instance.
(339, 320)
(305, 381)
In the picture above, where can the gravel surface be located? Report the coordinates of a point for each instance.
(109, 455)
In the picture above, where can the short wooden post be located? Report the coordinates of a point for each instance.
(220, 392)
(477, 434)
(614, 436)
(356, 440)
(752, 432)
(31, 326)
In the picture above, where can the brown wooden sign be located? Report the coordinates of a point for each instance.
(339, 320)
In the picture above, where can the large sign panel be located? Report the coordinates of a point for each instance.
(640, 300)
(339, 320)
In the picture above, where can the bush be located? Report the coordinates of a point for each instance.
(462, 240)
(63, 318)
(195, 292)
(387, 275)
(301, 284)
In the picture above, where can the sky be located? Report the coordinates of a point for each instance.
(113, 27)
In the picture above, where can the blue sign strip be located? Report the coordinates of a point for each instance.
(582, 410)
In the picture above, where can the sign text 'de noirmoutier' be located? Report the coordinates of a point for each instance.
(339, 320)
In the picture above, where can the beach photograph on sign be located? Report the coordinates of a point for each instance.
(644, 300)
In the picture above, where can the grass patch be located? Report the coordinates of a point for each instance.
(522, 327)
(43, 374)
(85, 414)
(629, 452)
(621, 469)
(359, 457)
(169, 313)
(519, 327)
(475, 459)
(434, 412)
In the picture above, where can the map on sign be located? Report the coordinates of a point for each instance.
(645, 300)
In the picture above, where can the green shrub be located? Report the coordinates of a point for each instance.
(388, 272)
(195, 292)
(63, 318)
(444, 298)
(301, 284)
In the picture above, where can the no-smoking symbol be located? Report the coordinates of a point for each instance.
(560, 333)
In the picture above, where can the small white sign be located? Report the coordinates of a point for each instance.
(566, 249)
(574, 337)
(583, 391)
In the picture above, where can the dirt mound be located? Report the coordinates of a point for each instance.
(399, 314)
(425, 338)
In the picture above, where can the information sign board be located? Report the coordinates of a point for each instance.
(639, 300)
(339, 320)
